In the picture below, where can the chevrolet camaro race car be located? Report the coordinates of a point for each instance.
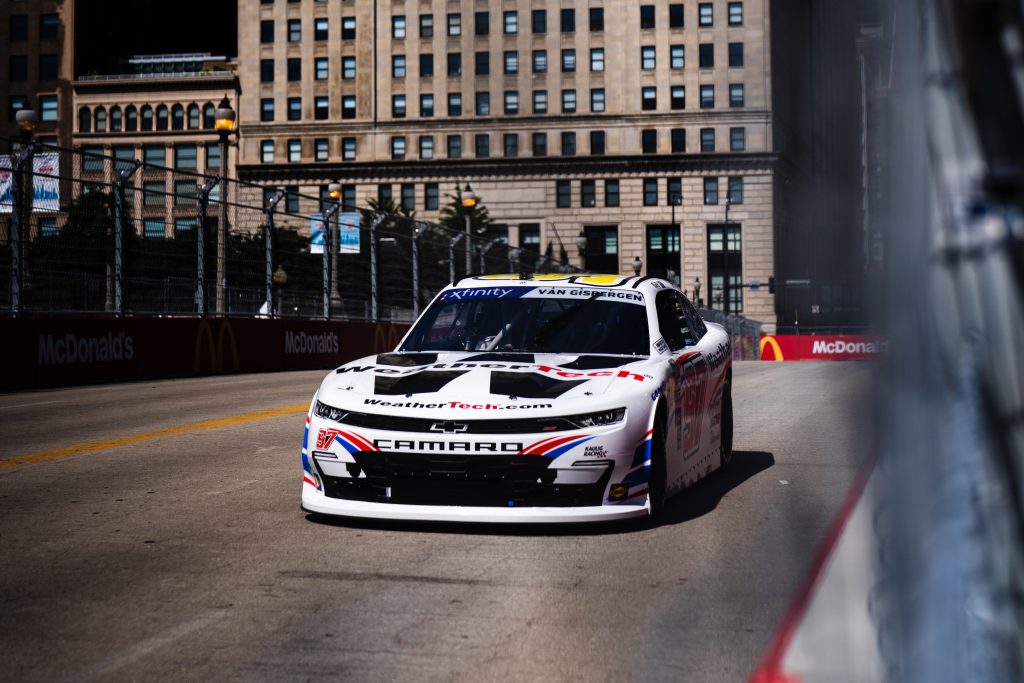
(526, 398)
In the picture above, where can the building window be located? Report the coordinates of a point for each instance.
(735, 189)
(737, 97)
(648, 98)
(93, 160)
(735, 14)
(408, 196)
(209, 116)
(294, 69)
(597, 59)
(177, 117)
(568, 18)
(735, 54)
(131, 118)
(398, 106)
(711, 190)
(737, 139)
(266, 71)
(511, 102)
(649, 141)
(185, 157)
(540, 101)
(611, 193)
(147, 118)
(482, 145)
(426, 25)
(48, 67)
(597, 99)
(539, 21)
(454, 104)
(48, 108)
(384, 193)
(153, 228)
(321, 108)
(294, 108)
(348, 149)
(705, 14)
(647, 16)
(116, 119)
(511, 62)
(348, 107)
(426, 66)
(398, 147)
(398, 27)
(321, 150)
(212, 155)
(154, 194)
(706, 55)
(267, 31)
(678, 136)
(511, 145)
(398, 66)
(674, 187)
(678, 99)
(454, 146)
(454, 24)
(84, 120)
(568, 60)
(596, 19)
(267, 109)
(597, 142)
(348, 68)
(431, 196)
(539, 144)
(677, 56)
(707, 139)
(291, 199)
(294, 30)
(49, 24)
(483, 103)
(563, 194)
(707, 96)
(320, 68)
(482, 23)
(540, 61)
(588, 193)
(454, 64)
(650, 191)
(426, 106)
(568, 101)
(568, 144)
(348, 28)
(647, 60)
(482, 63)
(675, 15)
(19, 27)
(100, 114)
(47, 226)
(426, 147)
(294, 151)
(320, 28)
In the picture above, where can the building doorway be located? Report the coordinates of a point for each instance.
(663, 247)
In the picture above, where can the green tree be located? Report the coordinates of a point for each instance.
(453, 214)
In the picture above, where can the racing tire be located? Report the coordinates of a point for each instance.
(657, 478)
(725, 421)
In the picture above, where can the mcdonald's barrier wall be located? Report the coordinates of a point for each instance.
(47, 352)
(821, 347)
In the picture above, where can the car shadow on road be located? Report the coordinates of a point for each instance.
(694, 502)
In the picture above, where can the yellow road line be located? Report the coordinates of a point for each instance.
(92, 446)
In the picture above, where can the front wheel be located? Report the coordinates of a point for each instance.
(725, 422)
(657, 476)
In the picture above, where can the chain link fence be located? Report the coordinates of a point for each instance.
(744, 333)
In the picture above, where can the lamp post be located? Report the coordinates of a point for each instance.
(330, 260)
(726, 290)
(674, 200)
(334, 192)
(22, 209)
(638, 265)
(469, 200)
(224, 123)
(581, 246)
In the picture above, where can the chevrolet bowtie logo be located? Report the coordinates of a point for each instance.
(449, 427)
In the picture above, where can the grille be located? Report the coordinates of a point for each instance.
(457, 479)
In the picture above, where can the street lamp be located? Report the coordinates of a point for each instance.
(638, 265)
(469, 200)
(22, 196)
(581, 246)
(224, 123)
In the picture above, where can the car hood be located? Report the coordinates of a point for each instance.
(483, 381)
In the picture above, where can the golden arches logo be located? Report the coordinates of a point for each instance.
(216, 351)
(385, 338)
(768, 340)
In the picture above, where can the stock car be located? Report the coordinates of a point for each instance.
(526, 398)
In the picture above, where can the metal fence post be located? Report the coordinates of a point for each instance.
(18, 223)
(417, 231)
(204, 199)
(327, 218)
(451, 256)
(268, 247)
(486, 248)
(122, 178)
(377, 220)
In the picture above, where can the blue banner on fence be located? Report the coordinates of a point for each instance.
(45, 190)
(316, 233)
(348, 235)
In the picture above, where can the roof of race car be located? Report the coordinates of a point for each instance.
(597, 280)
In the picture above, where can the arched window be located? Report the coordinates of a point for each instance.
(193, 116)
(116, 120)
(100, 116)
(177, 117)
(209, 115)
(84, 120)
(131, 118)
(161, 117)
(147, 117)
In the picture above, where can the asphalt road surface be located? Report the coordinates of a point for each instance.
(171, 546)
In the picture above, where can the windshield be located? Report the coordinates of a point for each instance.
(534, 320)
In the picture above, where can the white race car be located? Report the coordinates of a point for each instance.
(526, 398)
